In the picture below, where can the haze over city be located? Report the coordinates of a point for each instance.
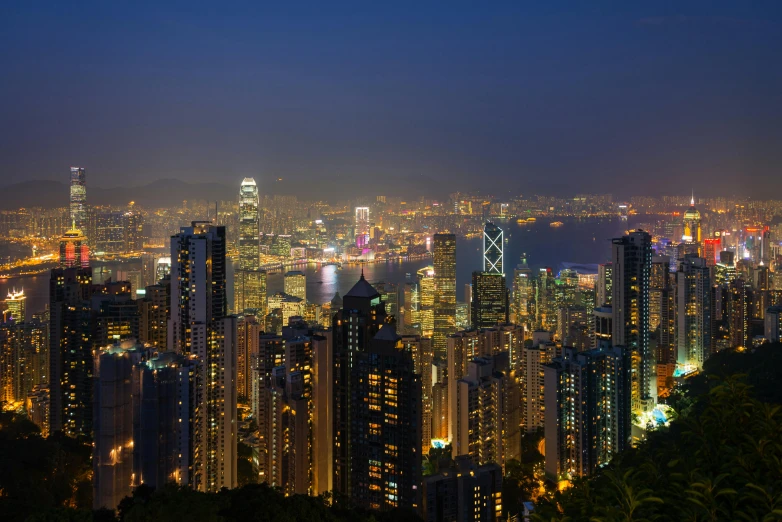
(363, 262)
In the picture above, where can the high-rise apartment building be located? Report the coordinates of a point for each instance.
(632, 264)
(354, 325)
(112, 459)
(493, 261)
(78, 199)
(604, 292)
(489, 305)
(385, 440)
(23, 359)
(444, 290)
(587, 411)
(693, 306)
(464, 493)
(199, 325)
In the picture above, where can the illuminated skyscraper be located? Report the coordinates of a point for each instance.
(109, 232)
(249, 281)
(693, 326)
(74, 252)
(444, 290)
(632, 265)
(78, 198)
(426, 300)
(249, 231)
(362, 226)
(523, 293)
(711, 245)
(295, 284)
(16, 305)
(489, 305)
(604, 280)
(587, 412)
(492, 249)
(199, 325)
(692, 225)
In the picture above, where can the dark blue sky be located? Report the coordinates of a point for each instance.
(392, 96)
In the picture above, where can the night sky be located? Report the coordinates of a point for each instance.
(397, 97)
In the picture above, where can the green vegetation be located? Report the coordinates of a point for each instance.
(721, 460)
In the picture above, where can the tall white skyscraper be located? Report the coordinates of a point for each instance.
(78, 199)
(362, 226)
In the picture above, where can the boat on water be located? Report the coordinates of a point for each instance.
(556, 224)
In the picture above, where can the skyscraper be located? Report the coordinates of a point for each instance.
(354, 325)
(492, 249)
(16, 305)
(489, 305)
(70, 351)
(249, 231)
(73, 250)
(78, 200)
(587, 412)
(295, 284)
(426, 301)
(199, 325)
(693, 305)
(385, 410)
(444, 290)
(249, 281)
(362, 226)
(632, 264)
(604, 280)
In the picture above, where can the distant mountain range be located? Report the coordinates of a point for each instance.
(160, 193)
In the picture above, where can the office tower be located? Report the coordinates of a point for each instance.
(115, 314)
(249, 281)
(354, 325)
(110, 232)
(545, 300)
(74, 252)
(532, 384)
(249, 232)
(692, 225)
(134, 231)
(605, 273)
(523, 293)
(492, 249)
(167, 420)
(385, 410)
(288, 306)
(693, 305)
(250, 292)
(78, 198)
(153, 315)
(632, 263)
(16, 305)
(740, 299)
(587, 413)
(426, 300)
(463, 347)
(390, 294)
(362, 226)
(444, 290)
(602, 326)
(478, 413)
(295, 284)
(112, 460)
(423, 358)
(70, 351)
(772, 324)
(489, 305)
(711, 245)
(412, 312)
(440, 404)
(199, 325)
(464, 493)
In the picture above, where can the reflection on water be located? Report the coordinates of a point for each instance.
(578, 241)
